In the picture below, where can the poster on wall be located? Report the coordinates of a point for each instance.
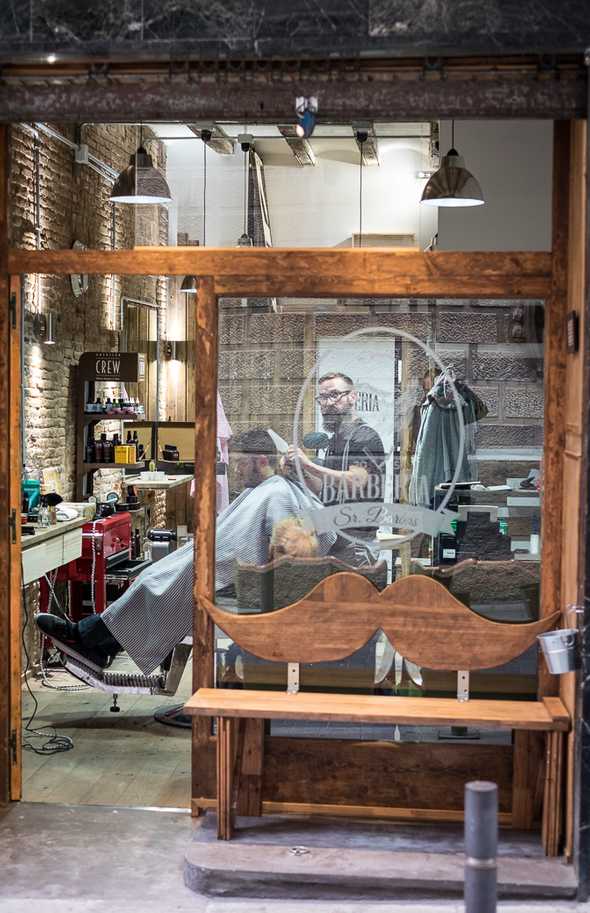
(370, 363)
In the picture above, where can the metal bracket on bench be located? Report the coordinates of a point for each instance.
(292, 678)
(462, 685)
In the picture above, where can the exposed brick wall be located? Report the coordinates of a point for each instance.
(73, 205)
(264, 359)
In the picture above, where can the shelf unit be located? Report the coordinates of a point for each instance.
(86, 423)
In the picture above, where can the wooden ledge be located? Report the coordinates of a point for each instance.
(549, 715)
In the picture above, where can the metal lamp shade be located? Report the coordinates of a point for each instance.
(140, 182)
(452, 184)
(189, 285)
(245, 240)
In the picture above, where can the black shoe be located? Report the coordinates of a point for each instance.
(67, 639)
(59, 628)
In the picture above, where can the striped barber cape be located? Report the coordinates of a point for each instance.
(156, 612)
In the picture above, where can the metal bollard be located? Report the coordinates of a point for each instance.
(481, 845)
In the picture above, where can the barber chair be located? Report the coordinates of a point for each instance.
(165, 681)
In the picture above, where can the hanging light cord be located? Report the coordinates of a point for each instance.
(204, 193)
(361, 137)
(453, 133)
(246, 153)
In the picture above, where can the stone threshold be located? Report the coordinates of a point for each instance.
(296, 857)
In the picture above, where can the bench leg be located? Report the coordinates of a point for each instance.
(528, 760)
(248, 767)
(553, 793)
(224, 777)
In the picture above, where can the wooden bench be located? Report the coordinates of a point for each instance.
(427, 625)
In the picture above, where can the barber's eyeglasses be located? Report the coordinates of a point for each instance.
(333, 397)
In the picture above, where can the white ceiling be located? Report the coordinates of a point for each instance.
(330, 142)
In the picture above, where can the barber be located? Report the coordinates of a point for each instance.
(353, 469)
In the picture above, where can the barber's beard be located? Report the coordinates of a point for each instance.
(331, 422)
(336, 421)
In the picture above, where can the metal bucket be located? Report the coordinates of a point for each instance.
(559, 650)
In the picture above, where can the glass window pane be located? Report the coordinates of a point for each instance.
(391, 437)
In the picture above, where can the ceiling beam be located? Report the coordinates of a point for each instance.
(314, 272)
(220, 142)
(346, 90)
(366, 140)
(298, 145)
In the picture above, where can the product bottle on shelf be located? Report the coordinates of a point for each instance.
(90, 455)
(109, 455)
(100, 448)
(108, 406)
(131, 448)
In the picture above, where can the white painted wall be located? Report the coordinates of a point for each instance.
(319, 206)
(512, 160)
(310, 206)
(184, 172)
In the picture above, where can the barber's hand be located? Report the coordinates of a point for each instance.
(293, 453)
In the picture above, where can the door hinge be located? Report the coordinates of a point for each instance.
(12, 526)
(13, 310)
(13, 746)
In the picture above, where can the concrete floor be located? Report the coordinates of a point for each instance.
(91, 859)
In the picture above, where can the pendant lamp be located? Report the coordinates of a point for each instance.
(190, 283)
(140, 182)
(245, 141)
(452, 184)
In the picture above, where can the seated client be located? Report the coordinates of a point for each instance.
(156, 612)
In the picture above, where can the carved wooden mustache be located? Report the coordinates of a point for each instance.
(422, 620)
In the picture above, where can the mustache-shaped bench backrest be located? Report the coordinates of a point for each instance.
(422, 620)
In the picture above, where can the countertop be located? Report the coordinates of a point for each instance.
(44, 533)
(158, 484)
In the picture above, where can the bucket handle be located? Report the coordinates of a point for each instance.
(573, 609)
(558, 636)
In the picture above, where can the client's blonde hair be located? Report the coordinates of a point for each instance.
(289, 537)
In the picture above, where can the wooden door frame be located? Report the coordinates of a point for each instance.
(315, 273)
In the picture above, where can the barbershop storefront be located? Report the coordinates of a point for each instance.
(364, 428)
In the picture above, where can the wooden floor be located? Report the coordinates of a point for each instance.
(125, 759)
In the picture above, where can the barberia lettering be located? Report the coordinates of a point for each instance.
(369, 488)
(108, 367)
(367, 402)
(405, 517)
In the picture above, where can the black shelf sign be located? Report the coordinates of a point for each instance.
(112, 366)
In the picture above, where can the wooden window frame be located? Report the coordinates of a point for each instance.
(315, 273)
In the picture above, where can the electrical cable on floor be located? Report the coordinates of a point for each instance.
(53, 743)
(71, 689)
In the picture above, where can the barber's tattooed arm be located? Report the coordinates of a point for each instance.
(355, 476)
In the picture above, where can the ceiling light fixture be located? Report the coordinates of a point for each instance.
(452, 184)
(189, 285)
(306, 110)
(246, 141)
(50, 328)
(140, 182)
